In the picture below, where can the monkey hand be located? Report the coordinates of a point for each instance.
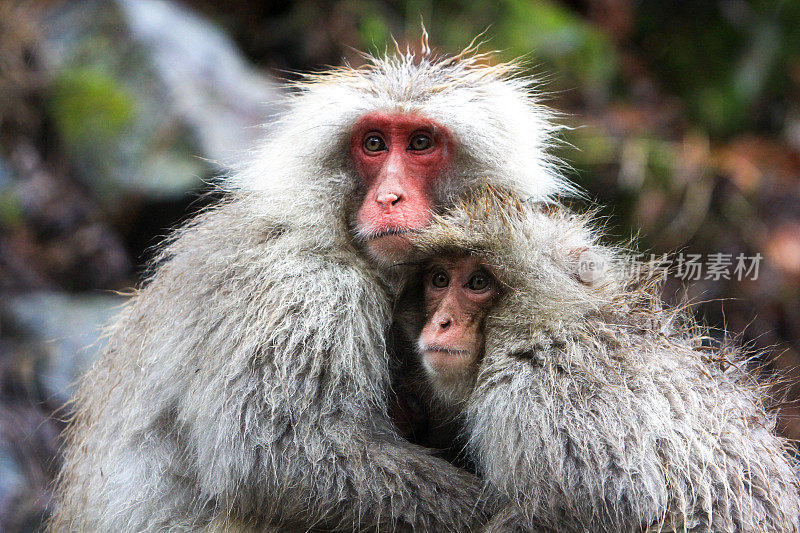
(511, 520)
(448, 498)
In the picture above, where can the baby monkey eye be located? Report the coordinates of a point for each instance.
(479, 281)
(420, 142)
(374, 143)
(440, 280)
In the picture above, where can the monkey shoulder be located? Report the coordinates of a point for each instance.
(231, 292)
(657, 399)
(229, 255)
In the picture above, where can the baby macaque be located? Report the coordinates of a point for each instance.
(587, 405)
(459, 292)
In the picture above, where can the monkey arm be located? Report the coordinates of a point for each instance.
(249, 379)
(663, 443)
(540, 437)
(327, 454)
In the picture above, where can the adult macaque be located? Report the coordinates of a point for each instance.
(586, 404)
(247, 381)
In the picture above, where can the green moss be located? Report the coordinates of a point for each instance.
(10, 210)
(374, 30)
(89, 105)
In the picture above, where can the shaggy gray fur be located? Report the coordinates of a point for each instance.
(595, 409)
(245, 385)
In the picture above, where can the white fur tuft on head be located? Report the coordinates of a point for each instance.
(502, 133)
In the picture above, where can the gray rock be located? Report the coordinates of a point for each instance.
(148, 97)
(61, 335)
(212, 88)
(5, 174)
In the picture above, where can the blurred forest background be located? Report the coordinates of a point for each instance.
(685, 129)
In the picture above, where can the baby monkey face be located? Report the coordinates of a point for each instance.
(458, 295)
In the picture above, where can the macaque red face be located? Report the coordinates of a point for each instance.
(399, 158)
(458, 295)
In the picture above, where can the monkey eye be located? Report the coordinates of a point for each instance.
(440, 280)
(374, 143)
(479, 281)
(420, 142)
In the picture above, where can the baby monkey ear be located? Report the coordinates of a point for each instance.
(588, 266)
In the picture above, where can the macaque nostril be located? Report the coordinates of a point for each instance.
(444, 324)
(397, 200)
(388, 199)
